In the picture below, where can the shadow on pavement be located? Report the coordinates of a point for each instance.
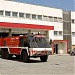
(30, 61)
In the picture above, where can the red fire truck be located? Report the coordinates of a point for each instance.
(25, 47)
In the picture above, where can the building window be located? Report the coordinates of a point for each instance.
(65, 25)
(45, 18)
(60, 33)
(55, 19)
(8, 13)
(50, 19)
(14, 14)
(1, 12)
(28, 16)
(39, 17)
(65, 37)
(34, 16)
(56, 33)
(21, 15)
(73, 34)
(60, 20)
(73, 21)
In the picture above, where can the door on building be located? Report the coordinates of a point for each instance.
(56, 48)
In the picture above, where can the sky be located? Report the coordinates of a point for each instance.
(68, 5)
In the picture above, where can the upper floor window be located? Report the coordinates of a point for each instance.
(28, 16)
(56, 33)
(60, 33)
(60, 20)
(21, 15)
(73, 34)
(14, 14)
(45, 18)
(1, 12)
(34, 16)
(73, 21)
(39, 17)
(66, 26)
(50, 18)
(8, 13)
(55, 19)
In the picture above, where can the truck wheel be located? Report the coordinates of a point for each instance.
(2, 54)
(24, 56)
(72, 54)
(7, 55)
(17, 56)
(44, 58)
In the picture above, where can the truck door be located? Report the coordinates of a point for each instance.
(24, 42)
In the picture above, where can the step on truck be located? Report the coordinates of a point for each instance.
(25, 47)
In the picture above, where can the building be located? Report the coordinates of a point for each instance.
(57, 24)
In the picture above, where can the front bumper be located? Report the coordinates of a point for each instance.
(40, 51)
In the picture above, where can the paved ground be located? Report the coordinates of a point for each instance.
(56, 65)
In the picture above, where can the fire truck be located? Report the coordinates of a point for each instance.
(25, 46)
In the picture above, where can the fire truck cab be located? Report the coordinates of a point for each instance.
(25, 47)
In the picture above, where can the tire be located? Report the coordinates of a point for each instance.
(7, 55)
(44, 58)
(72, 54)
(17, 56)
(2, 54)
(24, 56)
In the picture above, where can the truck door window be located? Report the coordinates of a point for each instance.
(32, 42)
(22, 42)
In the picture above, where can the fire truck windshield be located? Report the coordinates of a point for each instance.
(42, 42)
(38, 42)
